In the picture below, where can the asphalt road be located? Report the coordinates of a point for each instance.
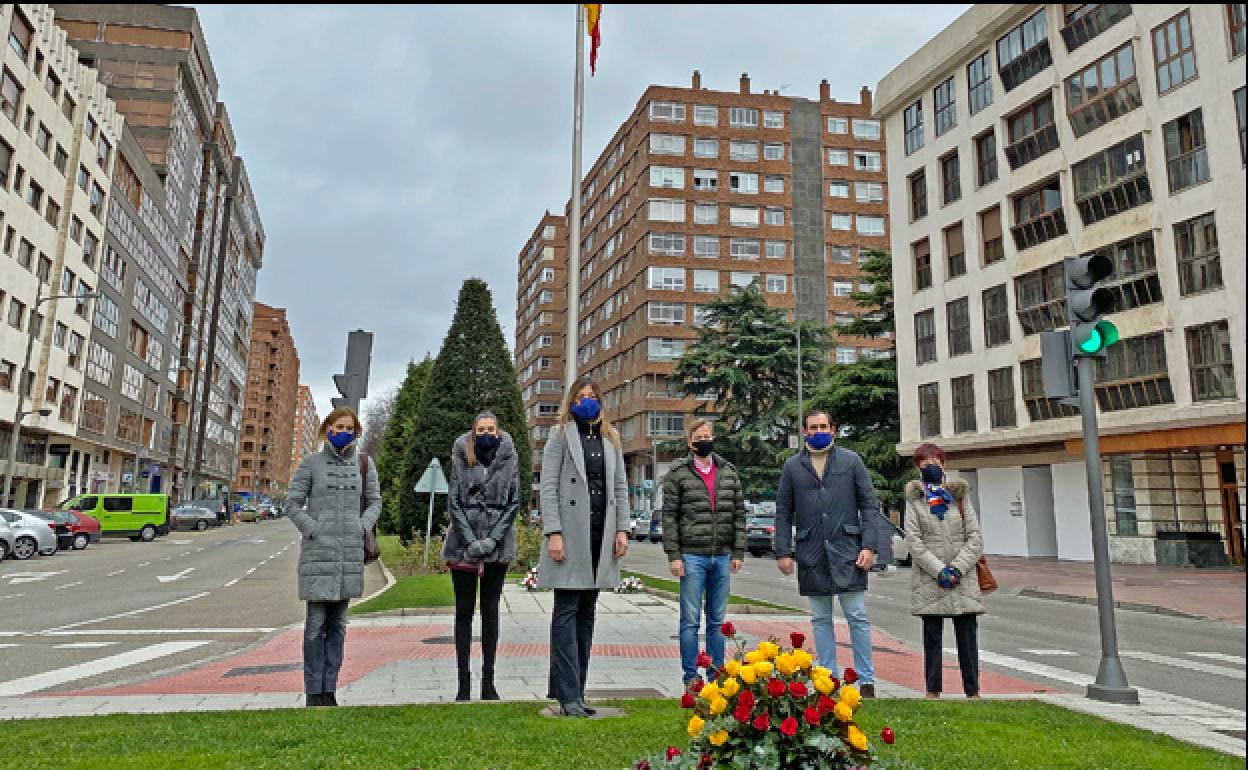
(121, 611)
(1050, 642)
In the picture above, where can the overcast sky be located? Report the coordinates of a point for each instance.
(396, 151)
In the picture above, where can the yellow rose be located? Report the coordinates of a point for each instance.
(857, 738)
(754, 656)
(721, 737)
(820, 671)
(709, 692)
(748, 674)
(804, 659)
(695, 726)
(730, 688)
(823, 685)
(851, 696)
(843, 712)
(770, 649)
(785, 664)
(718, 706)
(763, 668)
(732, 667)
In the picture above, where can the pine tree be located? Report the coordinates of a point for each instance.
(394, 445)
(473, 372)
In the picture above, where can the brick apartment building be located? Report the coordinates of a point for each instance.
(272, 400)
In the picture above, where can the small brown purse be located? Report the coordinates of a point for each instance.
(987, 583)
(372, 551)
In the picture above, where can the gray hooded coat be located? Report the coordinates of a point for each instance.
(483, 501)
(956, 540)
(324, 499)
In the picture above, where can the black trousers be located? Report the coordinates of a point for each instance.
(465, 584)
(966, 629)
(571, 639)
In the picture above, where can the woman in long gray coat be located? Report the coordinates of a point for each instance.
(324, 498)
(481, 541)
(945, 543)
(585, 521)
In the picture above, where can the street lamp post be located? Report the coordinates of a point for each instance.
(18, 413)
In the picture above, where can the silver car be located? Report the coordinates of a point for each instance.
(31, 534)
(194, 517)
(6, 539)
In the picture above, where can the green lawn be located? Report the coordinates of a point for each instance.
(412, 592)
(936, 736)
(673, 587)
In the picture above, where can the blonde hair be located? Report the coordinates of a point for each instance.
(604, 425)
(695, 425)
(334, 416)
(471, 449)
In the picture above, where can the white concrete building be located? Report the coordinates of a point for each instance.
(1022, 134)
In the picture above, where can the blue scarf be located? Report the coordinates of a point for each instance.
(938, 499)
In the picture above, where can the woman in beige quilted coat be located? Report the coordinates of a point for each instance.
(945, 543)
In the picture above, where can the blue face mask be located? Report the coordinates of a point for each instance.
(486, 442)
(932, 474)
(586, 409)
(819, 441)
(340, 440)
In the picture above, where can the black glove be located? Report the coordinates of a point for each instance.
(481, 548)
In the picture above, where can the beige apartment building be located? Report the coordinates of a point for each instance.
(1025, 133)
(264, 469)
(305, 439)
(699, 192)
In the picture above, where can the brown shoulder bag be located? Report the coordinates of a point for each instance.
(987, 583)
(371, 550)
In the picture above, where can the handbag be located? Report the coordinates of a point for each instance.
(372, 551)
(987, 583)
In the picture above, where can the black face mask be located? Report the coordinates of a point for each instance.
(703, 448)
(932, 474)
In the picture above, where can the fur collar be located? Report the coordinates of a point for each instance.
(957, 487)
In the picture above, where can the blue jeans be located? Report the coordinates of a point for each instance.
(324, 636)
(854, 607)
(705, 576)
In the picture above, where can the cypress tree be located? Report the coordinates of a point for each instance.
(394, 445)
(473, 372)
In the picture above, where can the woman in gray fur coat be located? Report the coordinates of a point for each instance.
(481, 540)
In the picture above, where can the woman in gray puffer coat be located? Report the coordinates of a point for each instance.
(325, 498)
(481, 540)
(945, 543)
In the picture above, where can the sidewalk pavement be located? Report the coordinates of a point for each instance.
(410, 659)
(1207, 594)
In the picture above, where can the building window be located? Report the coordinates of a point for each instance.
(667, 144)
(986, 158)
(1200, 262)
(944, 97)
(955, 252)
(706, 148)
(705, 115)
(777, 284)
(1039, 406)
(950, 178)
(963, 389)
(743, 117)
(979, 82)
(990, 234)
(773, 216)
(1038, 215)
(929, 410)
(1033, 133)
(922, 251)
(10, 95)
(666, 244)
(1124, 495)
(839, 221)
(705, 246)
(914, 127)
(866, 129)
(773, 152)
(838, 125)
(1112, 181)
(865, 160)
(1187, 161)
(1241, 117)
(958, 318)
(841, 255)
(705, 180)
(668, 111)
(1084, 21)
(869, 192)
(842, 288)
(666, 210)
(739, 150)
(1210, 361)
(996, 316)
(918, 195)
(1174, 53)
(773, 119)
(838, 189)
(1001, 397)
(1134, 282)
(706, 213)
(1040, 299)
(777, 249)
(1133, 374)
(838, 157)
(34, 195)
(1104, 91)
(925, 337)
(1235, 17)
(742, 182)
(846, 355)
(1023, 52)
(742, 280)
(664, 176)
(743, 216)
(744, 248)
(870, 225)
(773, 184)
(666, 278)
(706, 281)
(666, 313)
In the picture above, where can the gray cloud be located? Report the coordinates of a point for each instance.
(397, 150)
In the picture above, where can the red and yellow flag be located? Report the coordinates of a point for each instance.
(593, 12)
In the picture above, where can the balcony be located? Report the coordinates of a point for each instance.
(1093, 23)
(1126, 194)
(1026, 66)
(1110, 106)
(1032, 146)
(1036, 231)
(1188, 170)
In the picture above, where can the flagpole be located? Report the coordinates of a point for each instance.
(571, 347)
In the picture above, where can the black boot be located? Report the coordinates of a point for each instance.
(329, 699)
(465, 686)
(313, 699)
(487, 685)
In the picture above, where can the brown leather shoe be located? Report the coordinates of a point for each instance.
(867, 691)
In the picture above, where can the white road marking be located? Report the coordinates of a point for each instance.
(181, 542)
(32, 577)
(144, 564)
(188, 553)
(115, 573)
(82, 645)
(253, 569)
(167, 558)
(11, 633)
(131, 613)
(1167, 660)
(68, 585)
(232, 583)
(170, 578)
(11, 596)
(1051, 653)
(158, 631)
(61, 676)
(1210, 655)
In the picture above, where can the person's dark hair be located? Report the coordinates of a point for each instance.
(471, 449)
(927, 452)
(815, 413)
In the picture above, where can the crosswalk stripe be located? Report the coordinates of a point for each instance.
(1219, 656)
(1051, 653)
(1168, 660)
(61, 676)
(82, 645)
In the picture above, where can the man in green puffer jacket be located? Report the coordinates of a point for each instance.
(704, 537)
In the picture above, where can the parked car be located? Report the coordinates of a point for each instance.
(656, 526)
(6, 539)
(73, 531)
(58, 523)
(760, 535)
(199, 517)
(139, 517)
(248, 513)
(31, 534)
(641, 526)
(901, 546)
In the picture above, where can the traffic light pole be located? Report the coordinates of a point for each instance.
(1111, 680)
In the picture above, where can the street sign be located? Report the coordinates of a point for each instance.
(433, 480)
(648, 484)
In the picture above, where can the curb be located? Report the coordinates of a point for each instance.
(390, 581)
(1153, 609)
(733, 609)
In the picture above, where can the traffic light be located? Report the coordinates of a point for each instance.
(1087, 301)
(352, 384)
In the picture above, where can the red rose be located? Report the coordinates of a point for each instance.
(887, 736)
(643, 764)
(775, 687)
(706, 761)
(704, 660)
(728, 630)
(687, 701)
(798, 690)
(826, 705)
(762, 722)
(743, 713)
(746, 699)
(697, 685)
(812, 716)
(789, 727)
(798, 639)
(672, 753)
(836, 684)
(851, 676)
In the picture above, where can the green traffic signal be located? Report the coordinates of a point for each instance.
(1100, 336)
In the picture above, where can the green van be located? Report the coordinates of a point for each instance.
(139, 517)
